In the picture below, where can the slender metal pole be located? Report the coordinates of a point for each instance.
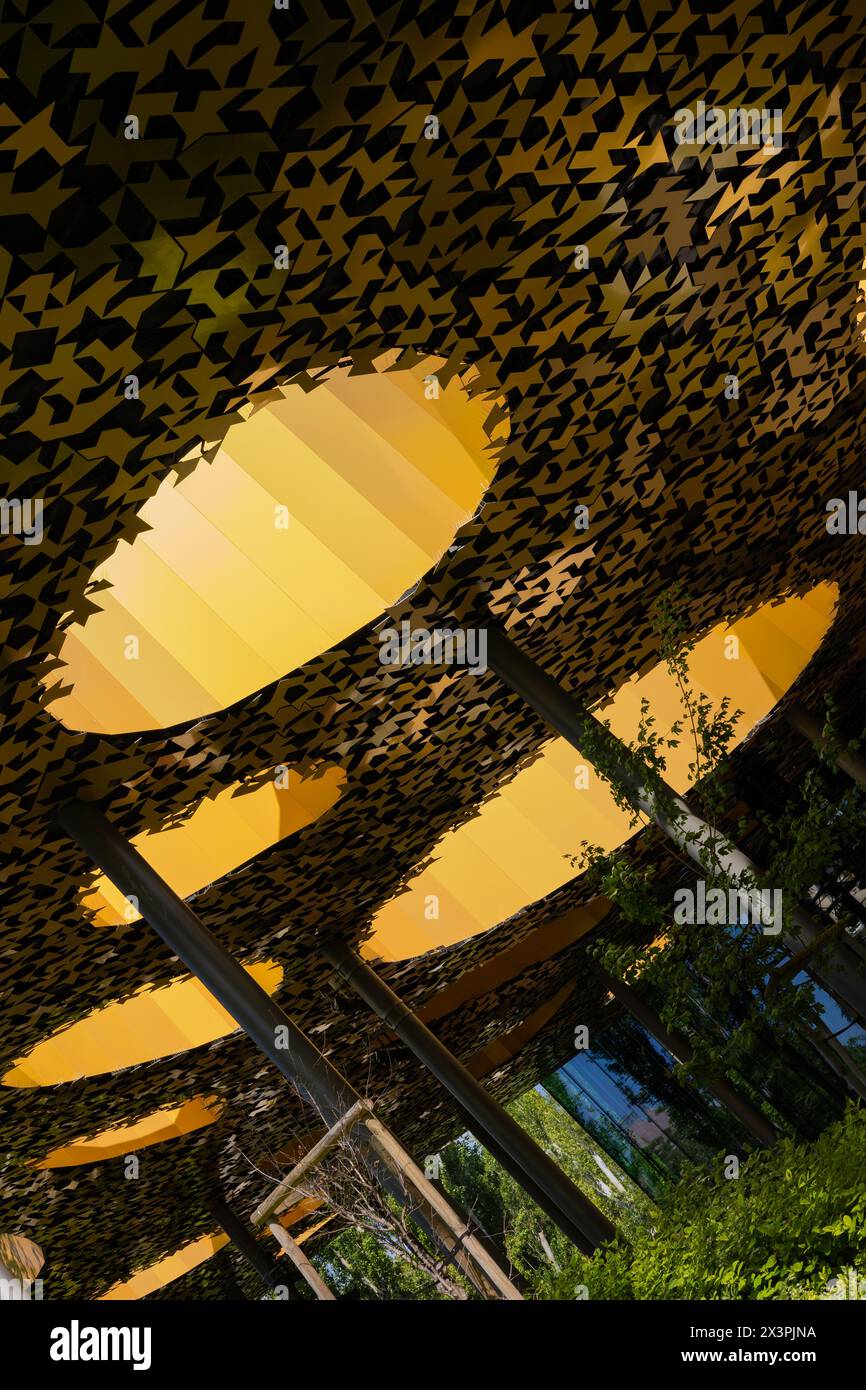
(242, 1237)
(574, 1213)
(680, 1048)
(298, 1059)
(841, 973)
(270, 1028)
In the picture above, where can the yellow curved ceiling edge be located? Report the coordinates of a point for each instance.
(151, 1024)
(165, 1271)
(167, 1123)
(300, 1211)
(500, 1050)
(223, 832)
(157, 1276)
(319, 510)
(515, 850)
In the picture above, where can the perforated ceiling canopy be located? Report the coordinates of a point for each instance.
(583, 285)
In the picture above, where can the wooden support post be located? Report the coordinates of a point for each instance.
(394, 1154)
(301, 1263)
(468, 1253)
(278, 1199)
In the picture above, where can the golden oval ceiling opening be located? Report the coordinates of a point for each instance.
(319, 510)
(224, 832)
(169, 1122)
(153, 1023)
(188, 1257)
(165, 1271)
(516, 849)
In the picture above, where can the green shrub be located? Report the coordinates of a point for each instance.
(794, 1219)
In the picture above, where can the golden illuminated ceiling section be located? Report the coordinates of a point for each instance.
(165, 1271)
(223, 832)
(151, 1024)
(319, 510)
(516, 850)
(168, 1123)
(190, 1256)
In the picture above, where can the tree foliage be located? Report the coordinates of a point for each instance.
(354, 1263)
(794, 1220)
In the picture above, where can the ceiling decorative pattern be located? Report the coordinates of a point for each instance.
(155, 258)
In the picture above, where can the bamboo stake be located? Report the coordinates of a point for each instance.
(392, 1151)
(301, 1263)
(277, 1199)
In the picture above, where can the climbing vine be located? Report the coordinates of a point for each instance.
(723, 984)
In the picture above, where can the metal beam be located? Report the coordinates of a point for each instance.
(298, 1059)
(270, 1028)
(800, 719)
(837, 1058)
(841, 973)
(581, 1221)
(243, 1239)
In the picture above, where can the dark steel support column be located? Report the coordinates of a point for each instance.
(531, 1188)
(300, 1061)
(680, 1048)
(491, 1124)
(250, 1006)
(841, 973)
(243, 1239)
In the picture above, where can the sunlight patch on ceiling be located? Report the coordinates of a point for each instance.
(156, 1276)
(320, 509)
(151, 1024)
(516, 849)
(224, 832)
(168, 1123)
